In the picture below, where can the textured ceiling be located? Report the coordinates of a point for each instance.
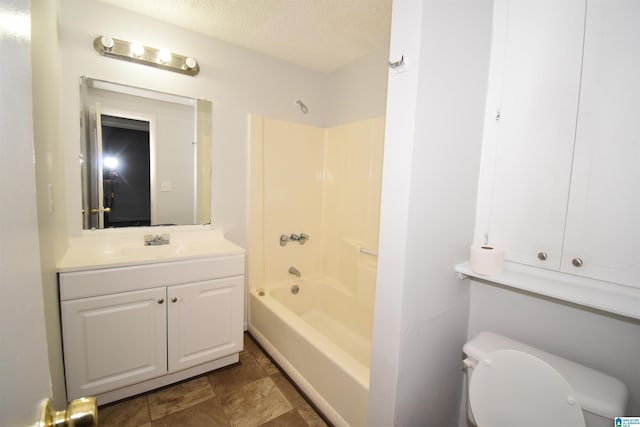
(322, 35)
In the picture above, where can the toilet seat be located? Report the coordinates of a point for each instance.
(511, 388)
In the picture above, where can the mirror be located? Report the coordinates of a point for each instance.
(146, 157)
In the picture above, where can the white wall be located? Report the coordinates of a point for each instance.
(236, 80)
(428, 200)
(175, 164)
(24, 367)
(49, 155)
(358, 90)
(396, 184)
(601, 341)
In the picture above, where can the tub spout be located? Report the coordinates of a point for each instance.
(294, 271)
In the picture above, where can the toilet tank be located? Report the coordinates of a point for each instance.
(602, 397)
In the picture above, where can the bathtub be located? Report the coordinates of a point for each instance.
(321, 337)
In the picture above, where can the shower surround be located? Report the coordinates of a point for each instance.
(324, 183)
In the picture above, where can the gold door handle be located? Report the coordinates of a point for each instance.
(81, 412)
(105, 210)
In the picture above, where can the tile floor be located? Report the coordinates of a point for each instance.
(251, 393)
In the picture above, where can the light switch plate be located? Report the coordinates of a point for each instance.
(50, 197)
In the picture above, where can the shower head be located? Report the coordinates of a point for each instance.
(303, 107)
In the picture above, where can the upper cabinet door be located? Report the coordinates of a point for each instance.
(530, 128)
(603, 221)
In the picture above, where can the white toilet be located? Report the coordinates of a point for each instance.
(511, 384)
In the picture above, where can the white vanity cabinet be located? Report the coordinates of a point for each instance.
(559, 177)
(131, 329)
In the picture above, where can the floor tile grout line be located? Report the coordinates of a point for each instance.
(146, 400)
(250, 352)
(290, 380)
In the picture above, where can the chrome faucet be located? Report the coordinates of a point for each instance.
(300, 238)
(158, 239)
(294, 271)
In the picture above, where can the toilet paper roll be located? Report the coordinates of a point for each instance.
(486, 260)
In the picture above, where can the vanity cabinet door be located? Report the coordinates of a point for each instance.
(529, 130)
(603, 227)
(204, 321)
(113, 341)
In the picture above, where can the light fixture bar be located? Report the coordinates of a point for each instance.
(135, 52)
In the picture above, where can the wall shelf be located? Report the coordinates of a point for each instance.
(605, 296)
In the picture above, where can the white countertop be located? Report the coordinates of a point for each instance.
(105, 250)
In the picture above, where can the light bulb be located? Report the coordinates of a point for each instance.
(190, 63)
(164, 56)
(107, 42)
(137, 49)
(110, 162)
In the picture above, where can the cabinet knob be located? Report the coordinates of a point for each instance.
(542, 256)
(174, 299)
(161, 301)
(577, 262)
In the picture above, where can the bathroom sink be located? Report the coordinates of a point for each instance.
(159, 251)
(172, 250)
(115, 250)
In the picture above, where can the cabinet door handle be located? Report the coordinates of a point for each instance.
(542, 256)
(577, 262)
(161, 301)
(174, 299)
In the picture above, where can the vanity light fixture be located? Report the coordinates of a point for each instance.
(135, 52)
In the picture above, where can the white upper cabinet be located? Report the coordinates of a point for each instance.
(603, 220)
(560, 175)
(530, 126)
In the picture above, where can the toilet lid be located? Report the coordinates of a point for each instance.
(515, 389)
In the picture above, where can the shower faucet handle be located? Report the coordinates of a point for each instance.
(300, 238)
(294, 271)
